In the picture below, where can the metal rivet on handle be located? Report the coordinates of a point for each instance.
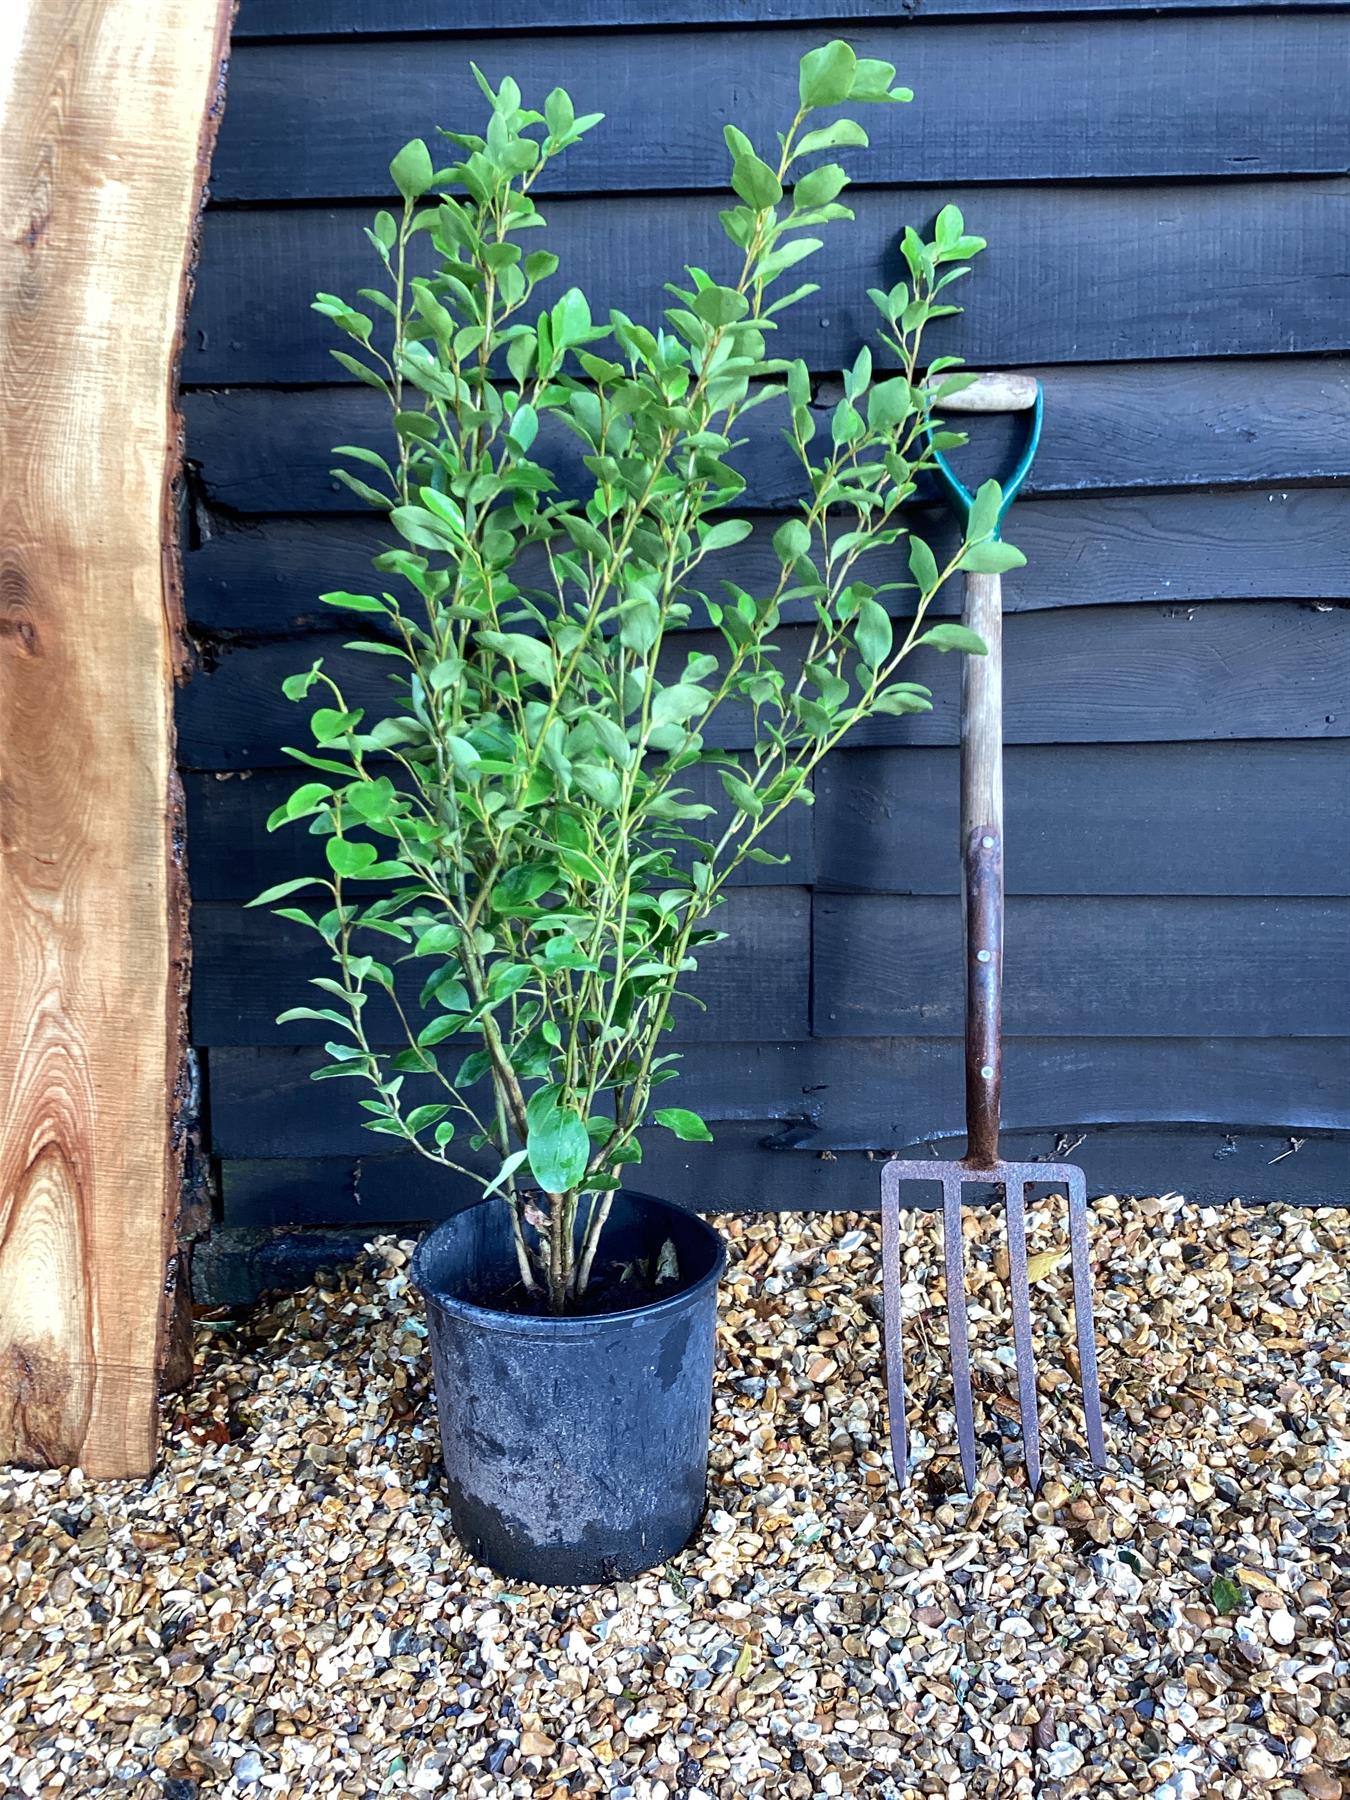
(986, 1073)
(982, 956)
(988, 843)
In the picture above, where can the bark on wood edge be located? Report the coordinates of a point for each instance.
(183, 1145)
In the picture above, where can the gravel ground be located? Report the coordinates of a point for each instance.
(282, 1609)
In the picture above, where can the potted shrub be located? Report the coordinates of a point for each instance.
(520, 862)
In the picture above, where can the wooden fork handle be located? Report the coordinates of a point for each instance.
(982, 867)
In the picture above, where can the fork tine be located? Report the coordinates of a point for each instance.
(1082, 1313)
(959, 1333)
(891, 1277)
(1020, 1287)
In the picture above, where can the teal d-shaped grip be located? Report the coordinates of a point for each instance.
(960, 495)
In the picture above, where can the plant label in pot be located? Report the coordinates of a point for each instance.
(516, 882)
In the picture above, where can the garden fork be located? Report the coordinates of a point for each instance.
(982, 866)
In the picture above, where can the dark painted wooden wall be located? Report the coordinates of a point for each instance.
(1164, 190)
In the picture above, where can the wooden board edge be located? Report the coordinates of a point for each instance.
(186, 1215)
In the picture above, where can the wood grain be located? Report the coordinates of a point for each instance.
(1230, 424)
(1074, 273)
(105, 129)
(1245, 818)
(1125, 98)
(1187, 966)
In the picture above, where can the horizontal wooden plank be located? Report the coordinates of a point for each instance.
(265, 579)
(1228, 424)
(1179, 967)
(1209, 1166)
(248, 966)
(233, 855)
(281, 19)
(1073, 274)
(860, 1093)
(1099, 675)
(1248, 818)
(1136, 96)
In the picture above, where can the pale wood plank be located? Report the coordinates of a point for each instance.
(107, 114)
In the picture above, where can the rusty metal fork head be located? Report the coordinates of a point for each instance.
(1014, 1178)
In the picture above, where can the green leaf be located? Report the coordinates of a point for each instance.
(786, 256)
(280, 891)
(872, 80)
(756, 183)
(295, 687)
(346, 857)
(306, 799)
(559, 1148)
(983, 520)
(993, 557)
(904, 697)
(872, 633)
(844, 134)
(949, 228)
(723, 535)
(601, 784)
(673, 705)
(422, 1116)
(538, 266)
(412, 170)
(719, 306)
(819, 187)
(524, 427)
(571, 319)
(447, 1026)
(423, 528)
(889, 404)
(792, 541)
(508, 1168)
(364, 373)
(686, 1125)
(559, 113)
(923, 565)
(442, 507)
(1227, 1595)
(532, 657)
(366, 603)
(742, 795)
(584, 535)
(954, 637)
(827, 74)
(329, 724)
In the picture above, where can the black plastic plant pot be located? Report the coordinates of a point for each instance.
(576, 1448)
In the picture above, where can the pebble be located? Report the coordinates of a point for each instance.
(1320, 1784)
(283, 1609)
(1062, 1761)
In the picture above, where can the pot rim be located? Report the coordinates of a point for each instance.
(563, 1325)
